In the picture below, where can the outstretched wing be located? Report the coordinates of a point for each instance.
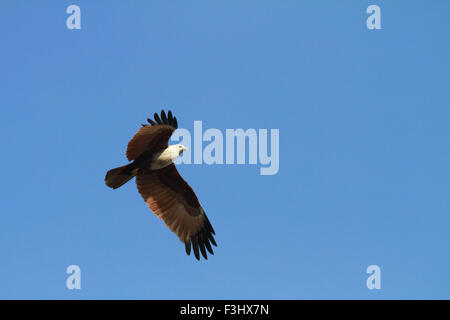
(174, 201)
(154, 137)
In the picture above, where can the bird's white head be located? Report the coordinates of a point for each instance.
(167, 156)
(178, 149)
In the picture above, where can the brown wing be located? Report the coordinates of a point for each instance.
(153, 137)
(174, 201)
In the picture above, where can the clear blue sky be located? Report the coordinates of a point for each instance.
(364, 119)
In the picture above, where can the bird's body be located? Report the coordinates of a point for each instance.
(162, 187)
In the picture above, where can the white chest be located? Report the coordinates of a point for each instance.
(162, 159)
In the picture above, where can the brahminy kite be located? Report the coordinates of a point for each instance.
(159, 183)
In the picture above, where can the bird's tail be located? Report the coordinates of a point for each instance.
(119, 176)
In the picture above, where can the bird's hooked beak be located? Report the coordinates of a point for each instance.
(184, 148)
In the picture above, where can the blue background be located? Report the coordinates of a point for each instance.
(364, 147)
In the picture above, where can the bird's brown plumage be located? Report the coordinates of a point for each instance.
(173, 200)
(164, 190)
(149, 139)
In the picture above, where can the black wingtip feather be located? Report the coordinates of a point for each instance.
(195, 247)
(167, 119)
(211, 239)
(201, 241)
(164, 117)
(201, 244)
(157, 118)
(209, 226)
(207, 244)
(188, 247)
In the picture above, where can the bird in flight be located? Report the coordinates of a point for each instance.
(159, 183)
